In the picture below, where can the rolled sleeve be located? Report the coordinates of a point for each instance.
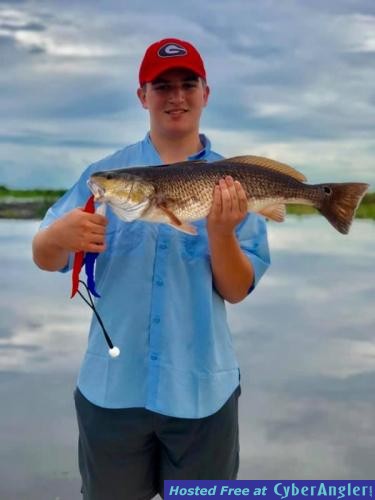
(69, 265)
(252, 236)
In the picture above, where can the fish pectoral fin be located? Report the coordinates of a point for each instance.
(274, 212)
(268, 163)
(175, 222)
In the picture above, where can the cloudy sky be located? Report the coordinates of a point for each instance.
(293, 80)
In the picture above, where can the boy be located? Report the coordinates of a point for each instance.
(167, 407)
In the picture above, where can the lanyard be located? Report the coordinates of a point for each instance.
(88, 260)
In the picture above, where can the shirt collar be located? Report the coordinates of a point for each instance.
(205, 151)
(201, 155)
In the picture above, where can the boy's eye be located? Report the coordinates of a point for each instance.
(161, 87)
(189, 85)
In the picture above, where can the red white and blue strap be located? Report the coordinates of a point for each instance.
(87, 259)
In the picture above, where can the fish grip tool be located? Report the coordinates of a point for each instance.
(88, 260)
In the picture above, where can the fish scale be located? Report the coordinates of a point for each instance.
(180, 193)
(192, 187)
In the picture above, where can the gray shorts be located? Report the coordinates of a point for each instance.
(127, 454)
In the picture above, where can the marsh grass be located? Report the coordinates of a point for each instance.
(52, 194)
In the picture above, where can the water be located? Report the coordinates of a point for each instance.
(305, 341)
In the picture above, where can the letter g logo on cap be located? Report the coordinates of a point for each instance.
(171, 50)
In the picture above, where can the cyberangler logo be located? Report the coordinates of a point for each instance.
(172, 50)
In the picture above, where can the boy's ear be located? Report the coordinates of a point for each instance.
(141, 93)
(206, 94)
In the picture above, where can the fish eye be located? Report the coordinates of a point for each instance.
(327, 190)
(109, 176)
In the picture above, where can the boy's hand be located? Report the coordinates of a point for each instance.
(229, 207)
(80, 231)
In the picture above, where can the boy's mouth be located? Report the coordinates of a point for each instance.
(176, 112)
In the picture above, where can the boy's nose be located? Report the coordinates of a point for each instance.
(177, 93)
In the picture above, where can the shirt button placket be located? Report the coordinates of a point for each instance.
(157, 295)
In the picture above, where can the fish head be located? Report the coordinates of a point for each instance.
(120, 189)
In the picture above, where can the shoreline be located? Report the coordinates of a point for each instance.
(26, 210)
(28, 204)
(35, 210)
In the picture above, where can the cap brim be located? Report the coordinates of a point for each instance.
(152, 75)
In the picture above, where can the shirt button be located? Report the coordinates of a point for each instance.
(163, 246)
(160, 282)
(157, 320)
(153, 357)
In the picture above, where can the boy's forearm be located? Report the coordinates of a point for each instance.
(46, 253)
(232, 272)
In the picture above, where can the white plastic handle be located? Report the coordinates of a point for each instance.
(101, 209)
(114, 352)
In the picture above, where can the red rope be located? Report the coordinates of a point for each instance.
(79, 256)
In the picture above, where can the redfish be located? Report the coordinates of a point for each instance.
(180, 193)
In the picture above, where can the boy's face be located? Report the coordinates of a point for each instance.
(175, 101)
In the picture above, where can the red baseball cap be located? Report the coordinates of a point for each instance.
(170, 53)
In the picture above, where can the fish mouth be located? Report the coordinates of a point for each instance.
(97, 191)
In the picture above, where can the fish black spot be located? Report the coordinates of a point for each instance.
(327, 190)
(109, 176)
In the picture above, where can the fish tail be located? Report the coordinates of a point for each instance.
(341, 202)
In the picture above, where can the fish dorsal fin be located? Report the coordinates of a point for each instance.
(267, 163)
(184, 163)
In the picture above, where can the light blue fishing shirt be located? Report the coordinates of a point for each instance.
(159, 306)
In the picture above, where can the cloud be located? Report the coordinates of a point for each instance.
(352, 388)
(288, 79)
(4, 27)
